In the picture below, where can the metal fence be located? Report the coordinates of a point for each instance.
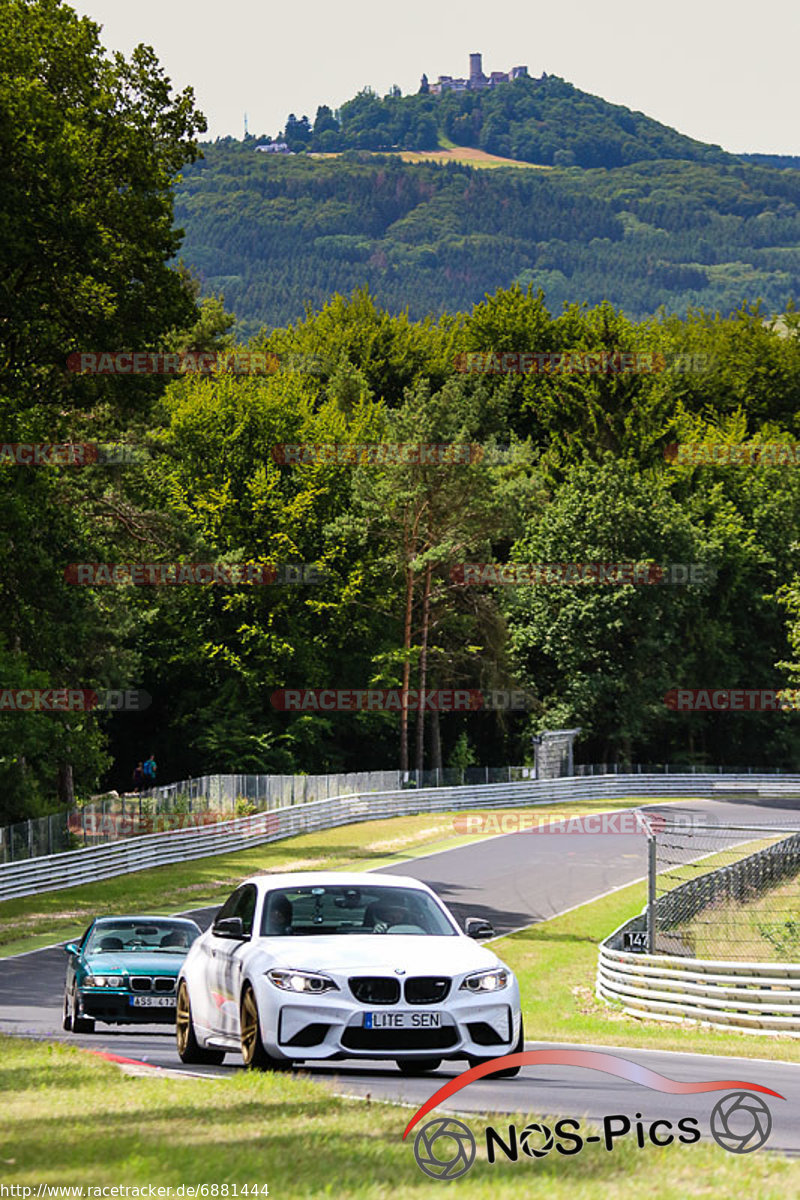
(719, 940)
(202, 800)
(181, 845)
(29, 839)
(725, 891)
(622, 768)
(199, 838)
(206, 799)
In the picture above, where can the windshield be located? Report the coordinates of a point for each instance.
(148, 936)
(335, 910)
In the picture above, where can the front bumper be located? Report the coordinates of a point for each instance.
(334, 1028)
(115, 1008)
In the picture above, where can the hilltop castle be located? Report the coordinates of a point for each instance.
(476, 82)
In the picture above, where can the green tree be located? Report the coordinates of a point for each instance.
(91, 144)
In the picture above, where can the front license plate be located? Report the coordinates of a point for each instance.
(153, 1001)
(402, 1020)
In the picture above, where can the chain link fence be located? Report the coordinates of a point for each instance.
(724, 891)
(209, 799)
(623, 768)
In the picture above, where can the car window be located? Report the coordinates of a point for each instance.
(229, 907)
(247, 908)
(241, 904)
(126, 936)
(337, 909)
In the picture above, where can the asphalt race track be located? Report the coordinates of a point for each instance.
(513, 881)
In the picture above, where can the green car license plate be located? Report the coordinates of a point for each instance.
(153, 1001)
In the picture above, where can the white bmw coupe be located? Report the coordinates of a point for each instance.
(328, 965)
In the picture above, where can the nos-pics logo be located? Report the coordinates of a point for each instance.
(445, 1147)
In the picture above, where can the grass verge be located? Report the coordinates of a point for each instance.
(765, 929)
(69, 1119)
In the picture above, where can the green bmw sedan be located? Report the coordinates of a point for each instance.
(123, 971)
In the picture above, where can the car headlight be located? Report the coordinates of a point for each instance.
(486, 981)
(301, 981)
(104, 981)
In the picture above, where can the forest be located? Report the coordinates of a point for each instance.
(278, 234)
(346, 570)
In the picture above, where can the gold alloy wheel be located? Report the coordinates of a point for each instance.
(183, 1019)
(249, 1027)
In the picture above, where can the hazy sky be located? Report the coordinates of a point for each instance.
(715, 69)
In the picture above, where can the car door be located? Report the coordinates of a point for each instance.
(226, 960)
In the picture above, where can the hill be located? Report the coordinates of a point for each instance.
(546, 121)
(278, 233)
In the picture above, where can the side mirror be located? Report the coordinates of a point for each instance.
(71, 948)
(477, 927)
(229, 927)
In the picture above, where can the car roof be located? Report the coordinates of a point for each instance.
(362, 879)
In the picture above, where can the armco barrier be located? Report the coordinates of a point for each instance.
(135, 854)
(758, 997)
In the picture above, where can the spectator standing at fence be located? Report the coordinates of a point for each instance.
(150, 769)
(139, 778)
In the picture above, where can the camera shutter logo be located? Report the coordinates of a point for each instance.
(444, 1148)
(528, 1140)
(741, 1122)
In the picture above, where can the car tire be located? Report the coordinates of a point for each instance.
(189, 1049)
(418, 1066)
(507, 1072)
(255, 1056)
(78, 1023)
(66, 1019)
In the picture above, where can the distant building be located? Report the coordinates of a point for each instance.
(275, 148)
(477, 80)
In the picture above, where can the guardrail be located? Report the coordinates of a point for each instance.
(57, 871)
(759, 997)
(113, 817)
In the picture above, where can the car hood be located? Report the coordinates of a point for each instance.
(414, 954)
(161, 963)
